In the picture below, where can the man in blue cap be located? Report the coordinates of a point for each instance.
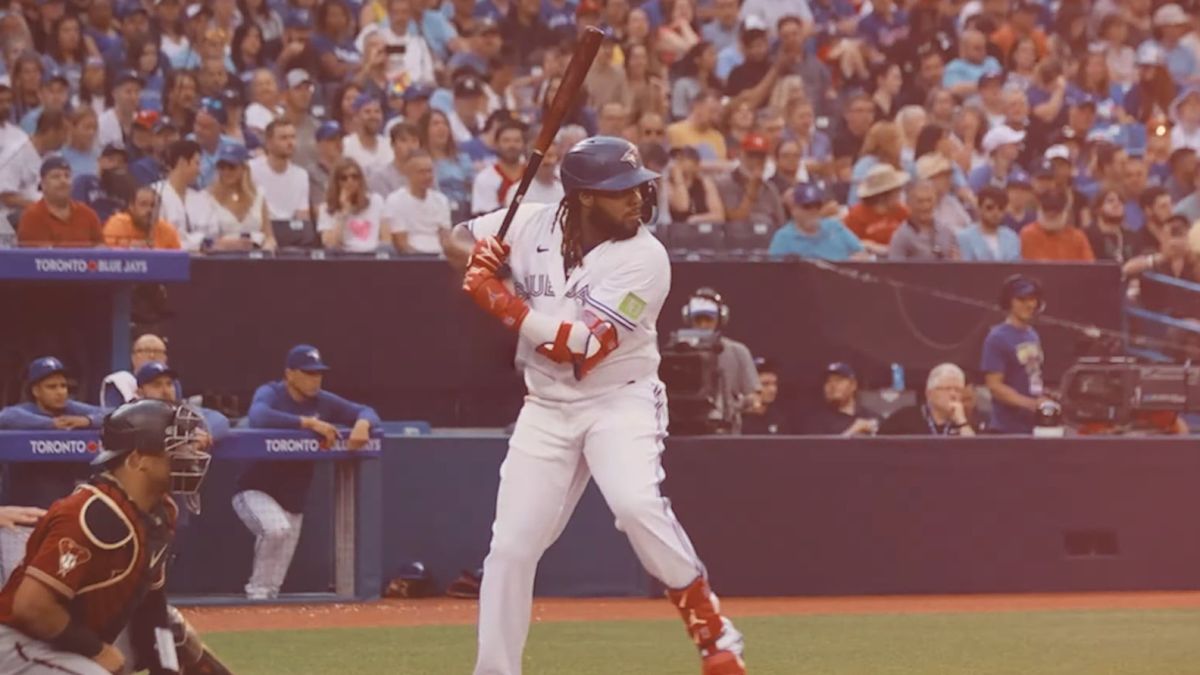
(840, 413)
(40, 483)
(159, 381)
(271, 494)
(54, 94)
(1012, 359)
(809, 235)
(329, 153)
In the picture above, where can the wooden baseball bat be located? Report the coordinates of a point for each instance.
(572, 82)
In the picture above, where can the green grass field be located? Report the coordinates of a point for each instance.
(1159, 642)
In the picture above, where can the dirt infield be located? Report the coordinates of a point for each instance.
(441, 611)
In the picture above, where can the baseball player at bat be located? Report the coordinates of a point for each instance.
(586, 289)
(89, 597)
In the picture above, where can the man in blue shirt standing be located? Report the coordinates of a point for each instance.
(271, 494)
(808, 235)
(1012, 358)
(40, 483)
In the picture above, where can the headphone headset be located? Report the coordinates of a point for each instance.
(708, 294)
(1012, 285)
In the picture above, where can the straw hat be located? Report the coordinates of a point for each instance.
(880, 179)
(932, 164)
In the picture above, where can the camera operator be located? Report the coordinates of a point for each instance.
(1012, 358)
(706, 311)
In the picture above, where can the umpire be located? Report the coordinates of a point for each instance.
(271, 494)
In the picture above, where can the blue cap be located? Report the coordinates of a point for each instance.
(806, 194)
(155, 369)
(128, 8)
(363, 100)
(128, 75)
(1018, 177)
(1077, 98)
(232, 153)
(55, 75)
(416, 92)
(306, 358)
(297, 18)
(841, 368)
(329, 130)
(42, 368)
(53, 163)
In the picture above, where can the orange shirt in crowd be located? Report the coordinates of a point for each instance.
(1005, 38)
(120, 232)
(40, 227)
(871, 225)
(1069, 244)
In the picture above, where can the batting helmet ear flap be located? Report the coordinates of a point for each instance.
(1018, 285)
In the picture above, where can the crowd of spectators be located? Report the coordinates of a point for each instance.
(868, 129)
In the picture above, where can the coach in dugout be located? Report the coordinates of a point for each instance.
(271, 494)
(157, 380)
(40, 483)
(121, 386)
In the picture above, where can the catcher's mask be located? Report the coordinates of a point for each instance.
(155, 426)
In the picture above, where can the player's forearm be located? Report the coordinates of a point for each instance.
(458, 247)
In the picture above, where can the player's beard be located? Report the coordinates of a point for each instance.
(615, 229)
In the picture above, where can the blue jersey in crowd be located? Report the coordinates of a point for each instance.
(832, 241)
(273, 408)
(1015, 353)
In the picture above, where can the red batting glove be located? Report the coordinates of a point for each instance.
(487, 290)
(489, 254)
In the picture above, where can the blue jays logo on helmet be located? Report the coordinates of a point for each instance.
(604, 164)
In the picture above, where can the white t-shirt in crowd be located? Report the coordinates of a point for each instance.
(360, 231)
(485, 192)
(286, 193)
(185, 212)
(415, 64)
(369, 160)
(222, 222)
(108, 130)
(420, 219)
(539, 192)
(258, 116)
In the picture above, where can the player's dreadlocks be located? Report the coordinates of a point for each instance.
(568, 217)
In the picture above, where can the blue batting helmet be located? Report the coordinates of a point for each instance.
(604, 164)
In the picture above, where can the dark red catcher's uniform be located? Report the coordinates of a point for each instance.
(107, 560)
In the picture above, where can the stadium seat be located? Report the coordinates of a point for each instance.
(747, 238)
(703, 238)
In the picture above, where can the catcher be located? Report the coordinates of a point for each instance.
(89, 596)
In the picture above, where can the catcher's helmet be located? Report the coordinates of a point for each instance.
(154, 426)
(603, 164)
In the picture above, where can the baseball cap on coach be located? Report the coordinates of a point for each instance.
(306, 358)
(841, 368)
(41, 368)
(152, 370)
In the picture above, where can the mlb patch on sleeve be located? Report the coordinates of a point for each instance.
(632, 306)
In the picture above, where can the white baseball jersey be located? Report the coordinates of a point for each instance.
(623, 282)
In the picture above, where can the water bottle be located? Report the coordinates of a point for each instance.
(897, 377)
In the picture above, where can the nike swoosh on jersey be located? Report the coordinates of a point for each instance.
(542, 250)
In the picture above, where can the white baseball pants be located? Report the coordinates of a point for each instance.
(276, 532)
(617, 439)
